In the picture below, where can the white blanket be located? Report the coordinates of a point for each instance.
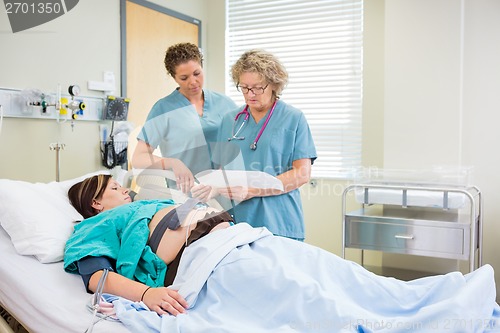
(244, 279)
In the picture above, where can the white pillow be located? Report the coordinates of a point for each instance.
(38, 216)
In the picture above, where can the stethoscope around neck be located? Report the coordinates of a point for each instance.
(245, 112)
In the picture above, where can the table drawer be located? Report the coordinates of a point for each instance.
(408, 238)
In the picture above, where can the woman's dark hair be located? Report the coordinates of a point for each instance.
(179, 54)
(82, 194)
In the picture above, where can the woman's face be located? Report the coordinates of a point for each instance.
(264, 97)
(113, 196)
(189, 77)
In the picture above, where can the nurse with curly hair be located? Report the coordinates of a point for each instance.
(183, 124)
(273, 137)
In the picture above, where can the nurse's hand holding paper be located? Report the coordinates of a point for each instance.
(241, 185)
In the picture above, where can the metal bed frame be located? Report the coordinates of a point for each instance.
(440, 232)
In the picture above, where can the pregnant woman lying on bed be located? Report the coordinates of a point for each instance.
(245, 279)
(139, 242)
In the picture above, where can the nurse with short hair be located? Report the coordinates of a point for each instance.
(183, 124)
(273, 137)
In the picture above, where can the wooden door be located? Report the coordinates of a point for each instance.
(147, 32)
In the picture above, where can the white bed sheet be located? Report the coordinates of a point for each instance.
(43, 297)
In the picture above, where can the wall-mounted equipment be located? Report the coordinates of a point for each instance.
(116, 108)
(41, 100)
(107, 85)
(76, 106)
(33, 103)
(114, 149)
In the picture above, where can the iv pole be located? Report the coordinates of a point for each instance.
(57, 147)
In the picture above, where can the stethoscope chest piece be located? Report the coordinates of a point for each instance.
(253, 146)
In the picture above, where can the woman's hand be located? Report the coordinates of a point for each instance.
(164, 300)
(203, 192)
(238, 193)
(183, 176)
(241, 193)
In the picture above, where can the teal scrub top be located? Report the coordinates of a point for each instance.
(286, 138)
(120, 234)
(175, 127)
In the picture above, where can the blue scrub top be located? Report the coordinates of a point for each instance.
(175, 127)
(286, 138)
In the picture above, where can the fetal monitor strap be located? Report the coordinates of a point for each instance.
(172, 220)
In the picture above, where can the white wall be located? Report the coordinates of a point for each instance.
(422, 96)
(481, 104)
(442, 61)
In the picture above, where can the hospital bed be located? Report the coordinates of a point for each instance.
(435, 213)
(34, 288)
(37, 219)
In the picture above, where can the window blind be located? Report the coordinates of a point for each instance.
(320, 43)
